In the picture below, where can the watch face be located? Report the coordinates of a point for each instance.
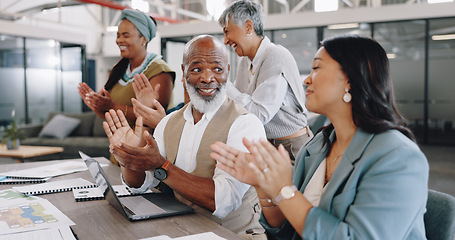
(160, 174)
(287, 192)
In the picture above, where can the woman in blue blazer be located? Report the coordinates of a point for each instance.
(361, 177)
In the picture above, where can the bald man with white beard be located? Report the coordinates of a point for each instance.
(178, 154)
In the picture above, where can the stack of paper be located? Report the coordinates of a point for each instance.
(22, 217)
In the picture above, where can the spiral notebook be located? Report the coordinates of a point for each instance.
(20, 180)
(55, 186)
(89, 194)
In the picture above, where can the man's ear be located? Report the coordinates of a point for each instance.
(184, 83)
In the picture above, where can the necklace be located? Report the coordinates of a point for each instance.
(328, 174)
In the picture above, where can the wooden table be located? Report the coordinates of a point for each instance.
(24, 152)
(98, 220)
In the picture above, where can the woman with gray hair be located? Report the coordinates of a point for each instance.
(268, 81)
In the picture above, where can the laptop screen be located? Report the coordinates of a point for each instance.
(104, 185)
(135, 207)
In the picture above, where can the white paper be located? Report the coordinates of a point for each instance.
(162, 237)
(51, 170)
(62, 233)
(199, 236)
(22, 214)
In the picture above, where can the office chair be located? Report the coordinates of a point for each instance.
(440, 216)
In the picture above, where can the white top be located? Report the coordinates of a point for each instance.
(271, 88)
(315, 187)
(228, 190)
(264, 100)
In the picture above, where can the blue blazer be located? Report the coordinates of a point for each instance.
(378, 191)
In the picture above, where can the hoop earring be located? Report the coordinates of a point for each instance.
(249, 34)
(347, 96)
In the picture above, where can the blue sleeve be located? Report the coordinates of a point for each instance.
(387, 200)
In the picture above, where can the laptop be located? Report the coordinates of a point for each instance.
(135, 207)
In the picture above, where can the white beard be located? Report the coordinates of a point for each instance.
(203, 105)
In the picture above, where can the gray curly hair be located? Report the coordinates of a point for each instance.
(242, 10)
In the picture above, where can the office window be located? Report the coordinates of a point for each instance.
(441, 81)
(404, 43)
(71, 77)
(173, 52)
(12, 79)
(302, 43)
(42, 80)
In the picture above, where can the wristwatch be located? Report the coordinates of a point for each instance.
(286, 192)
(161, 173)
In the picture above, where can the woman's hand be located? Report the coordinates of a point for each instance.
(100, 102)
(84, 90)
(144, 91)
(234, 162)
(272, 167)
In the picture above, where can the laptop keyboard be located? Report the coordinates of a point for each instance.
(139, 205)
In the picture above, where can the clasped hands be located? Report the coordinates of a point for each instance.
(98, 102)
(266, 168)
(134, 149)
(145, 105)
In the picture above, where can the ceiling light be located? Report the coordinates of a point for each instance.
(325, 5)
(439, 1)
(443, 37)
(343, 26)
(391, 55)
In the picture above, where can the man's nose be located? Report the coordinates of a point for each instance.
(207, 76)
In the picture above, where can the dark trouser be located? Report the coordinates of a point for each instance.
(293, 145)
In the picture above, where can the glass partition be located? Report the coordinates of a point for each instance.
(43, 74)
(71, 77)
(12, 95)
(404, 43)
(302, 43)
(38, 76)
(441, 77)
